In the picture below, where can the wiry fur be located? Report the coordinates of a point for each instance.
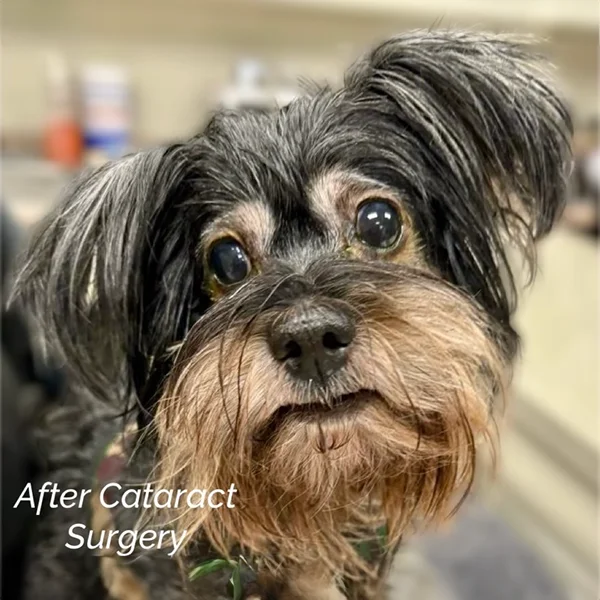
(466, 135)
(405, 455)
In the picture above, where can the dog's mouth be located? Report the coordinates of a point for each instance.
(338, 408)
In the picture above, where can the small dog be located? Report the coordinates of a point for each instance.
(313, 303)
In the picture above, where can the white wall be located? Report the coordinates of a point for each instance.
(180, 52)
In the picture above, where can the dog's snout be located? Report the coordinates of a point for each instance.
(312, 342)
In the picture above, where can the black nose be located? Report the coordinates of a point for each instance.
(312, 341)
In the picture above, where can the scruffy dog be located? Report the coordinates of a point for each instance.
(312, 303)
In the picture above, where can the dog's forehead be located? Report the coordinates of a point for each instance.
(273, 175)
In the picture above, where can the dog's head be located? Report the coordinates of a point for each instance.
(314, 302)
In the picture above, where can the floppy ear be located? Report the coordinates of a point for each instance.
(492, 138)
(110, 275)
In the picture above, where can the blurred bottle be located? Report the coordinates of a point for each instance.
(62, 135)
(106, 113)
(253, 87)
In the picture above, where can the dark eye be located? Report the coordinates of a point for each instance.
(378, 224)
(228, 262)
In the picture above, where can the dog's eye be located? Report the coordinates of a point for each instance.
(228, 262)
(378, 224)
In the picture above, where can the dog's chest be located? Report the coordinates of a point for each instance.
(228, 578)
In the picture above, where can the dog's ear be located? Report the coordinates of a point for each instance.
(490, 138)
(110, 276)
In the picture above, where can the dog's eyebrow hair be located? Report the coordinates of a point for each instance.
(326, 193)
(252, 221)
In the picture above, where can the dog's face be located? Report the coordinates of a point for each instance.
(314, 302)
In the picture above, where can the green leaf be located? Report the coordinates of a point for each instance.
(208, 567)
(364, 550)
(382, 535)
(236, 583)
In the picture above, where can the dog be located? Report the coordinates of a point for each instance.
(27, 389)
(312, 303)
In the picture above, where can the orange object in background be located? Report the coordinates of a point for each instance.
(63, 144)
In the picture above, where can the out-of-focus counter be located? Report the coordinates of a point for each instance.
(30, 188)
(548, 484)
(558, 321)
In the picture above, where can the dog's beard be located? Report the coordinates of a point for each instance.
(392, 438)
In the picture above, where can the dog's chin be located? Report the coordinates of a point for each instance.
(318, 446)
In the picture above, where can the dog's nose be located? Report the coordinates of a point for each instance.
(313, 341)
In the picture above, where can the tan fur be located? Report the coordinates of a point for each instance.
(251, 223)
(313, 584)
(120, 582)
(336, 196)
(307, 587)
(314, 483)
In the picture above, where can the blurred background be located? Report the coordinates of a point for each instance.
(84, 81)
